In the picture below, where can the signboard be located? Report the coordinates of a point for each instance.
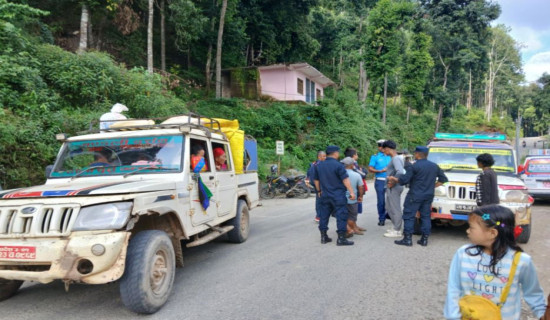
(279, 148)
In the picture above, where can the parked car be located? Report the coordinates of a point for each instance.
(535, 172)
(119, 204)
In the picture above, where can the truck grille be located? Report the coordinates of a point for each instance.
(37, 220)
(462, 193)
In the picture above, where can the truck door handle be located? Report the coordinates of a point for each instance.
(211, 177)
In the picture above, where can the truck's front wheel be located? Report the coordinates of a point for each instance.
(150, 270)
(8, 288)
(241, 224)
(525, 234)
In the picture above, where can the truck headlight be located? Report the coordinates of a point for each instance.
(103, 216)
(441, 191)
(514, 196)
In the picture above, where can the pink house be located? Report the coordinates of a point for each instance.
(283, 82)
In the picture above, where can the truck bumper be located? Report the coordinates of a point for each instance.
(70, 259)
(447, 211)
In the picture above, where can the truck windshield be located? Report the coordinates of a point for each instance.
(539, 165)
(107, 157)
(449, 158)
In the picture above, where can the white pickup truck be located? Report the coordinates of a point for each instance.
(120, 203)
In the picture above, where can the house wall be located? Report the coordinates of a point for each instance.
(282, 84)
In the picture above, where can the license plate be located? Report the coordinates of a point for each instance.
(465, 207)
(17, 252)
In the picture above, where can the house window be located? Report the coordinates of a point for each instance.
(318, 94)
(300, 86)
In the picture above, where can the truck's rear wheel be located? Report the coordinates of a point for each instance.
(8, 288)
(241, 224)
(525, 234)
(150, 270)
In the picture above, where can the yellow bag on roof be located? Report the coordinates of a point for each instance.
(236, 142)
(228, 124)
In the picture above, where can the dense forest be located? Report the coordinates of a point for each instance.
(403, 69)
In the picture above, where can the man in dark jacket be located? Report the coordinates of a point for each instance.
(332, 181)
(423, 177)
(486, 182)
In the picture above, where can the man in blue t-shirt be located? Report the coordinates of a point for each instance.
(377, 165)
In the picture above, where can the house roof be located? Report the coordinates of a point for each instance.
(305, 68)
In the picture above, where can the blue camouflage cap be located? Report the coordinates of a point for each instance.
(421, 149)
(331, 149)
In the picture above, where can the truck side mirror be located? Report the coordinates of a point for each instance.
(49, 170)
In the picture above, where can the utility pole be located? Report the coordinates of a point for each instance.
(518, 125)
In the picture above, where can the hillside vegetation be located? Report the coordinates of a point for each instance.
(399, 74)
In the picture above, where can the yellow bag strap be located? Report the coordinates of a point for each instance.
(506, 290)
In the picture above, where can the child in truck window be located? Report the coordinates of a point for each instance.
(483, 267)
(198, 163)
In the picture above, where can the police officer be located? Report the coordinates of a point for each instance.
(423, 176)
(332, 181)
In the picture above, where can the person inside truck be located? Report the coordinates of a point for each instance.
(198, 161)
(220, 159)
(101, 159)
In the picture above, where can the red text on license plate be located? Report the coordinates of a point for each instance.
(17, 252)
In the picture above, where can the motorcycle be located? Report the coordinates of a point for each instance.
(282, 185)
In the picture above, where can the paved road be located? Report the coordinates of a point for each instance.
(283, 272)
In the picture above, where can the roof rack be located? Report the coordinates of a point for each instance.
(192, 120)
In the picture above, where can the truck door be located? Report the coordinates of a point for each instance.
(200, 147)
(226, 180)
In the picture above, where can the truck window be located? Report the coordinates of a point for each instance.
(221, 156)
(452, 158)
(200, 156)
(101, 157)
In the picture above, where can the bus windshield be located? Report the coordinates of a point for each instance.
(101, 157)
(450, 158)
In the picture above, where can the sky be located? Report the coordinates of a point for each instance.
(530, 24)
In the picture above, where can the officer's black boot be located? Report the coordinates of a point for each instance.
(423, 241)
(325, 238)
(342, 241)
(406, 241)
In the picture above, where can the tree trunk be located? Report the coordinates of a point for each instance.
(150, 37)
(360, 86)
(208, 67)
(366, 83)
(408, 113)
(440, 113)
(469, 99)
(361, 65)
(90, 34)
(219, 51)
(162, 38)
(84, 20)
(385, 97)
(340, 69)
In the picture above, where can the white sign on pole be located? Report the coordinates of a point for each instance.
(280, 148)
